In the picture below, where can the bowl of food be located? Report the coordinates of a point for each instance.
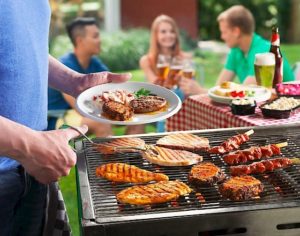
(243, 106)
(280, 108)
(291, 89)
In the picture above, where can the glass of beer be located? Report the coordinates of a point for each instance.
(162, 66)
(175, 68)
(188, 70)
(264, 66)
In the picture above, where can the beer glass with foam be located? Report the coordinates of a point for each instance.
(264, 66)
(175, 68)
(188, 70)
(162, 66)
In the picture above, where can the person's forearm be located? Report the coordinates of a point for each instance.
(61, 77)
(225, 75)
(13, 138)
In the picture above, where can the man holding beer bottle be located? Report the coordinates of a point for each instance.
(237, 30)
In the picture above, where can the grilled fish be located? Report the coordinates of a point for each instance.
(160, 192)
(184, 141)
(110, 147)
(120, 172)
(169, 157)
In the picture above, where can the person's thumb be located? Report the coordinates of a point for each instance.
(118, 78)
(72, 133)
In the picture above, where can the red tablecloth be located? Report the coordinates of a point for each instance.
(200, 112)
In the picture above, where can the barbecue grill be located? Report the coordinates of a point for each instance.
(202, 212)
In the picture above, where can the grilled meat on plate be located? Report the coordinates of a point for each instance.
(120, 172)
(241, 188)
(184, 141)
(117, 111)
(110, 147)
(160, 192)
(169, 157)
(206, 174)
(146, 104)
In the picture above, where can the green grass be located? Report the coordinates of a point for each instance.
(213, 65)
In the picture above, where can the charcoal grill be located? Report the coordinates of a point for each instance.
(204, 211)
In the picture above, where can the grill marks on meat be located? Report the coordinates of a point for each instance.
(160, 192)
(206, 174)
(260, 167)
(251, 154)
(109, 147)
(147, 104)
(230, 144)
(120, 172)
(241, 188)
(169, 157)
(117, 111)
(184, 141)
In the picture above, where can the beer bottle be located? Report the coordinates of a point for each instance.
(275, 48)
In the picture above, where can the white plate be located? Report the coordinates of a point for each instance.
(86, 107)
(261, 94)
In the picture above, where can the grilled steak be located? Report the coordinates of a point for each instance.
(109, 147)
(117, 111)
(120, 172)
(241, 188)
(146, 104)
(184, 141)
(206, 174)
(160, 192)
(169, 157)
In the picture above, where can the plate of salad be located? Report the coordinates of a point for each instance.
(93, 103)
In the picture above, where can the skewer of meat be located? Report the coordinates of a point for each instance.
(263, 166)
(253, 153)
(232, 143)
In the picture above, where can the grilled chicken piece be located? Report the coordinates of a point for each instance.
(206, 174)
(109, 147)
(184, 141)
(120, 172)
(241, 188)
(117, 111)
(160, 192)
(169, 157)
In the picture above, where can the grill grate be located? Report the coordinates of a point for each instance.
(281, 186)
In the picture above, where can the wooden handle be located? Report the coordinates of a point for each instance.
(280, 145)
(250, 132)
(295, 161)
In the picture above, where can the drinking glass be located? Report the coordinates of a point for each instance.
(264, 66)
(188, 70)
(162, 66)
(175, 68)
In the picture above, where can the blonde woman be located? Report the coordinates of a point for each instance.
(165, 41)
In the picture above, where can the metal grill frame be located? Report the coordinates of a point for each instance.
(252, 218)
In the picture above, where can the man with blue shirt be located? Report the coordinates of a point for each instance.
(85, 37)
(237, 30)
(30, 157)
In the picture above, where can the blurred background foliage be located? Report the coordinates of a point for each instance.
(122, 50)
(266, 13)
(119, 50)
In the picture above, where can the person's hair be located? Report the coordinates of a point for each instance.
(77, 27)
(154, 48)
(238, 16)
